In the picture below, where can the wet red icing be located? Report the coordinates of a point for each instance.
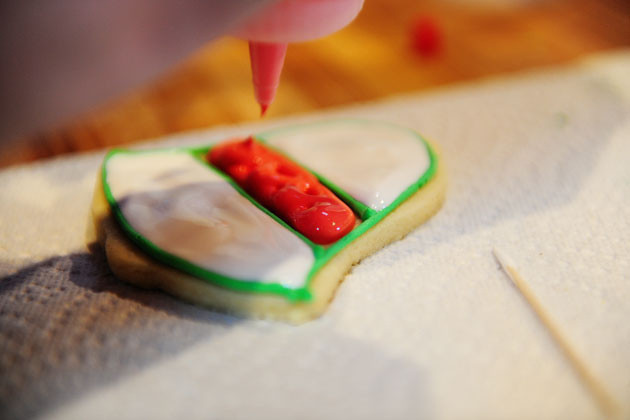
(292, 193)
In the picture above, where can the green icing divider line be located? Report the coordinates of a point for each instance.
(322, 255)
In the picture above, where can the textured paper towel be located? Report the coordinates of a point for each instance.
(429, 327)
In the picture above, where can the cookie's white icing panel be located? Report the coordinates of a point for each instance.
(188, 210)
(374, 162)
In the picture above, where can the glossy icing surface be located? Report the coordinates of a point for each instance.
(184, 212)
(286, 189)
(188, 210)
(374, 162)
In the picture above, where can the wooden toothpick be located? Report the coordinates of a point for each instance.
(605, 401)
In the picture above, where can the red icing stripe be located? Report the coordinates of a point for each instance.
(292, 193)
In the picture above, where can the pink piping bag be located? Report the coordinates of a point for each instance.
(287, 21)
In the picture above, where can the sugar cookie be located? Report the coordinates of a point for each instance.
(264, 227)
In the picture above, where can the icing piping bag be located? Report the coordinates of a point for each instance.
(288, 21)
(267, 60)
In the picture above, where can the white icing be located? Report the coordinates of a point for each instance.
(188, 210)
(374, 162)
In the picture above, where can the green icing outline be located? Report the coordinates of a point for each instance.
(321, 254)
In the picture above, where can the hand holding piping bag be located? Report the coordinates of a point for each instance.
(284, 22)
(84, 53)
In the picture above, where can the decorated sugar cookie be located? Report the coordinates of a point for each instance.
(265, 226)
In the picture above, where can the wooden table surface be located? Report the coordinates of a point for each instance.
(370, 59)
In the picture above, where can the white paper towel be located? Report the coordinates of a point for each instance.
(429, 327)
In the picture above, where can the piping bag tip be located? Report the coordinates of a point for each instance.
(266, 60)
(263, 109)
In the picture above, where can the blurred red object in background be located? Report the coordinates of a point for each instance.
(426, 36)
